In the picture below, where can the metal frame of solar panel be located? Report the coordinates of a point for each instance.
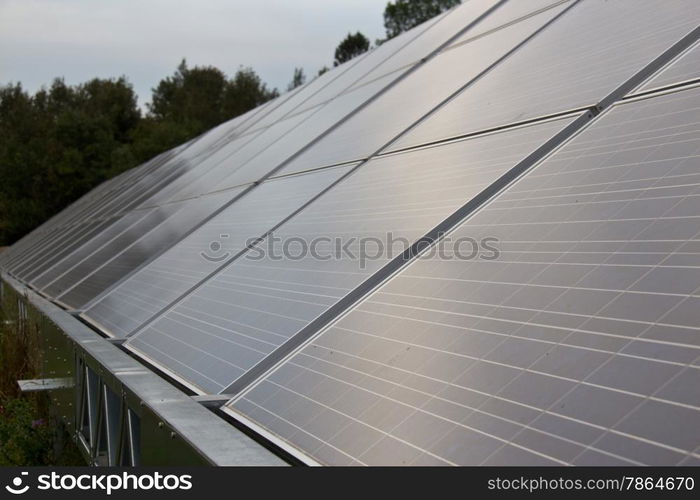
(565, 349)
(681, 71)
(74, 295)
(570, 348)
(652, 63)
(279, 297)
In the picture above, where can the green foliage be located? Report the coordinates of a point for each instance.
(402, 15)
(298, 79)
(351, 46)
(244, 92)
(63, 141)
(57, 145)
(29, 435)
(24, 438)
(197, 99)
(192, 97)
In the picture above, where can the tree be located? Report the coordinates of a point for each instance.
(323, 70)
(192, 97)
(298, 79)
(59, 144)
(244, 92)
(402, 15)
(351, 46)
(64, 140)
(192, 101)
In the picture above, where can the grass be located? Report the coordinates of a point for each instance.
(29, 433)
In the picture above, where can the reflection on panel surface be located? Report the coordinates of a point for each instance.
(68, 230)
(250, 308)
(579, 344)
(443, 28)
(416, 95)
(686, 67)
(204, 251)
(133, 248)
(570, 64)
(506, 13)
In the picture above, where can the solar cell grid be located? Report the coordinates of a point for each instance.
(683, 69)
(241, 315)
(428, 86)
(571, 348)
(568, 65)
(189, 262)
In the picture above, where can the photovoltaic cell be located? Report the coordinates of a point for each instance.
(568, 335)
(106, 246)
(464, 16)
(396, 54)
(415, 96)
(172, 274)
(97, 217)
(94, 214)
(261, 154)
(132, 249)
(234, 161)
(686, 67)
(242, 314)
(506, 13)
(223, 145)
(200, 156)
(579, 344)
(97, 205)
(70, 263)
(101, 239)
(570, 64)
(304, 135)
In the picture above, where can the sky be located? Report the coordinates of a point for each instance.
(145, 40)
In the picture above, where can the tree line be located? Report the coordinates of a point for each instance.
(63, 140)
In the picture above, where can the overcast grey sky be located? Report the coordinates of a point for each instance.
(146, 39)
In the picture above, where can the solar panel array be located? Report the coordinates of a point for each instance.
(559, 137)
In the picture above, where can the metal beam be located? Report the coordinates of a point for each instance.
(45, 384)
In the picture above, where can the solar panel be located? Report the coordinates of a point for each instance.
(463, 17)
(133, 248)
(140, 184)
(224, 149)
(245, 312)
(390, 57)
(314, 125)
(368, 131)
(577, 345)
(506, 13)
(215, 148)
(556, 324)
(100, 213)
(99, 241)
(319, 105)
(567, 66)
(155, 189)
(207, 249)
(94, 204)
(397, 54)
(310, 124)
(684, 69)
(233, 161)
